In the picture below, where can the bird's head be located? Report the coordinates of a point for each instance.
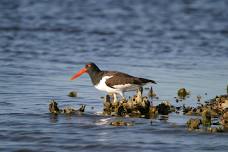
(89, 68)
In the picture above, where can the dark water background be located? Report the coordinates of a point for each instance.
(179, 43)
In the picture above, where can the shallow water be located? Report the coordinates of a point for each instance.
(43, 43)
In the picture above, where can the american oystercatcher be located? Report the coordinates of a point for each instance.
(112, 81)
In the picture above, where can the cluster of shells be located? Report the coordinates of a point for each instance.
(141, 106)
(54, 109)
(136, 106)
(215, 109)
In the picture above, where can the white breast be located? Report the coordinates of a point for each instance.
(102, 85)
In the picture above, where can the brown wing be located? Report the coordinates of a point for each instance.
(120, 78)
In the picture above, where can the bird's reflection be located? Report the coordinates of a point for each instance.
(53, 118)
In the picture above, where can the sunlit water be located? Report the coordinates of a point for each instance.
(43, 43)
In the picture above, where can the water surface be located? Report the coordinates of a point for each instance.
(43, 43)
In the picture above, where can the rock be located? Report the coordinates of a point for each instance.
(224, 120)
(193, 123)
(136, 106)
(72, 94)
(115, 106)
(192, 111)
(70, 110)
(219, 129)
(182, 93)
(218, 104)
(186, 109)
(206, 118)
(121, 111)
(214, 129)
(53, 107)
(211, 130)
(107, 105)
(82, 108)
(129, 105)
(224, 104)
(164, 108)
(214, 113)
(153, 112)
(143, 106)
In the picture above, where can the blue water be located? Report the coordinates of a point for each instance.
(179, 43)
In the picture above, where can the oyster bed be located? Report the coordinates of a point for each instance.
(212, 116)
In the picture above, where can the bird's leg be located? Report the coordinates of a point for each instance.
(122, 95)
(115, 98)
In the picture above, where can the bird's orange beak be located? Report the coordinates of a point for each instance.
(78, 74)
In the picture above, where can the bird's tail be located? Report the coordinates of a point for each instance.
(147, 80)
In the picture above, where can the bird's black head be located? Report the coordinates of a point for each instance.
(91, 68)
(93, 71)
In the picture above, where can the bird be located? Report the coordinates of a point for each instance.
(112, 81)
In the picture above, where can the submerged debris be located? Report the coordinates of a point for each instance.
(54, 109)
(72, 94)
(121, 123)
(215, 129)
